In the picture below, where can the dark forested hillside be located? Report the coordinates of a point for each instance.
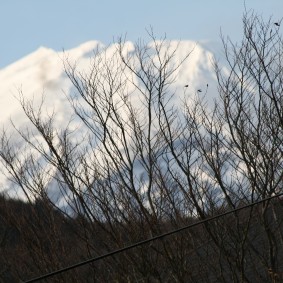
(36, 239)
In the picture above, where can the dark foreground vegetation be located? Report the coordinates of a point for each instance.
(121, 172)
(37, 239)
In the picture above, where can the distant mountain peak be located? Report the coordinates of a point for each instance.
(42, 71)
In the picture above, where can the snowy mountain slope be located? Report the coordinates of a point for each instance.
(42, 72)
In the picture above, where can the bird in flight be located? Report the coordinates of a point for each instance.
(277, 24)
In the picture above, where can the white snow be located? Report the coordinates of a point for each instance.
(43, 72)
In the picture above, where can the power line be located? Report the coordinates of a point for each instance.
(149, 240)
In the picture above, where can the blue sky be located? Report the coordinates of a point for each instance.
(26, 25)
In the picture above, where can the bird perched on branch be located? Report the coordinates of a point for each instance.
(277, 24)
(186, 85)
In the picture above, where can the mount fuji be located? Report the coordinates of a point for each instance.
(42, 73)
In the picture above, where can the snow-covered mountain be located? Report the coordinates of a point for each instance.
(42, 72)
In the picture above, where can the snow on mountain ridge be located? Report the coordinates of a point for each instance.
(85, 49)
(29, 75)
(43, 72)
(27, 61)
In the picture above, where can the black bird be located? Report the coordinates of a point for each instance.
(199, 90)
(186, 85)
(277, 24)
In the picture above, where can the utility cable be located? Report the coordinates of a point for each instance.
(150, 240)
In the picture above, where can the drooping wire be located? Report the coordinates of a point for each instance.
(140, 243)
